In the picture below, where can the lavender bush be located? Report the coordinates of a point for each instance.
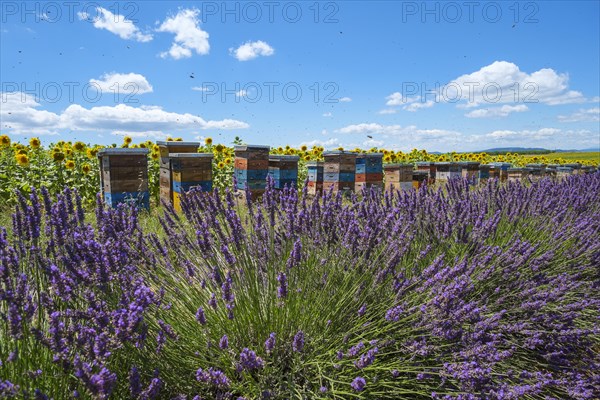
(455, 293)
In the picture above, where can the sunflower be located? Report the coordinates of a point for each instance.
(34, 143)
(208, 141)
(4, 141)
(304, 148)
(70, 164)
(228, 161)
(154, 155)
(86, 168)
(307, 158)
(178, 139)
(142, 145)
(22, 160)
(68, 152)
(221, 164)
(22, 151)
(79, 146)
(219, 148)
(127, 140)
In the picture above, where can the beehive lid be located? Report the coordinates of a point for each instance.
(315, 164)
(515, 169)
(121, 152)
(175, 144)
(249, 147)
(284, 158)
(191, 155)
(424, 163)
(337, 153)
(397, 165)
(369, 155)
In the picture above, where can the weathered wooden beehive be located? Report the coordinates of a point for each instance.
(190, 171)
(339, 171)
(124, 176)
(470, 171)
(369, 171)
(517, 174)
(315, 177)
(499, 170)
(419, 178)
(165, 150)
(284, 171)
(536, 169)
(447, 170)
(563, 171)
(430, 168)
(484, 172)
(251, 168)
(398, 176)
(576, 167)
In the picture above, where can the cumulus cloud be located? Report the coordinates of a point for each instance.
(388, 111)
(345, 100)
(327, 114)
(130, 83)
(492, 112)
(189, 37)
(23, 114)
(327, 144)
(501, 82)
(115, 23)
(251, 50)
(582, 115)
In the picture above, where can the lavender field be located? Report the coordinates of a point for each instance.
(451, 293)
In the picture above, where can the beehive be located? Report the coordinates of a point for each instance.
(339, 171)
(499, 170)
(124, 176)
(284, 171)
(398, 176)
(369, 171)
(536, 169)
(576, 167)
(588, 169)
(484, 172)
(516, 174)
(447, 170)
(165, 150)
(251, 167)
(315, 177)
(419, 178)
(563, 171)
(189, 171)
(470, 171)
(428, 167)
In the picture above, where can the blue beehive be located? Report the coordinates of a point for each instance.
(251, 167)
(284, 170)
(124, 177)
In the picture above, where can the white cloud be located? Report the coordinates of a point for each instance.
(589, 115)
(373, 143)
(189, 37)
(327, 144)
(251, 50)
(122, 83)
(200, 88)
(345, 100)
(21, 112)
(498, 83)
(412, 107)
(492, 112)
(408, 132)
(388, 111)
(327, 114)
(241, 93)
(117, 24)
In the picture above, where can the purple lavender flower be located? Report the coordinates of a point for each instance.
(224, 342)
(358, 384)
(213, 301)
(366, 359)
(298, 342)
(270, 342)
(200, 317)
(323, 389)
(362, 310)
(394, 313)
(250, 361)
(213, 377)
(282, 289)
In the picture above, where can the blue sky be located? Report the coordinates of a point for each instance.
(438, 75)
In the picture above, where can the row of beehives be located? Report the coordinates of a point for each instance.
(124, 172)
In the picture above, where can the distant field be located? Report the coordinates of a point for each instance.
(592, 156)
